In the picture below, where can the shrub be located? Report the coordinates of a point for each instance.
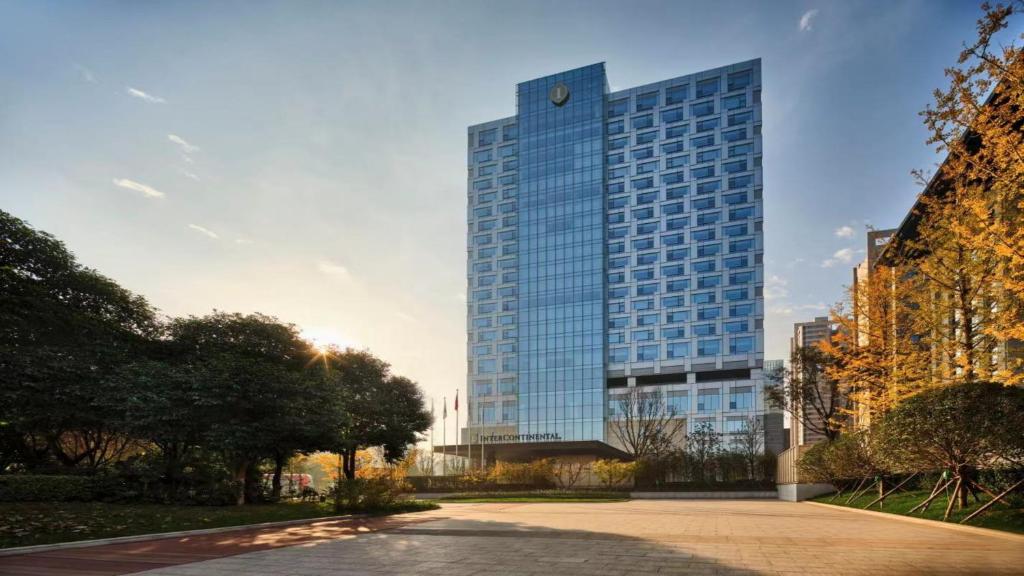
(39, 488)
(365, 494)
(613, 473)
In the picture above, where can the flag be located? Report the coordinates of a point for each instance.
(456, 399)
(444, 409)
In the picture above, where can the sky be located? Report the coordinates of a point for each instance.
(307, 159)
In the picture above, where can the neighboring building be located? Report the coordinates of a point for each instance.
(806, 334)
(615, 241)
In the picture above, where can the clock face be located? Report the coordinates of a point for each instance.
(559, 94)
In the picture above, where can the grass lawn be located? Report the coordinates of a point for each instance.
(29, 523)
(541, 496)
(998, 517)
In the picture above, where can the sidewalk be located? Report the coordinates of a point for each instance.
(126, 558)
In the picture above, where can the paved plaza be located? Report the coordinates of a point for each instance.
(639, 537)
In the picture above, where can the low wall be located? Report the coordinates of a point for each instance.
(799, 492)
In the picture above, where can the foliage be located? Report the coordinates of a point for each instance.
(954, 428)
(187, 410)
(567, 473)
(612, 473)
(849, 457)
(703, 445)
(875, 366)
(978, 121)
(63, 327)
(538, 472)
(46, 488)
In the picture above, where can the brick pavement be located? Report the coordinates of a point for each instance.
(637, 538)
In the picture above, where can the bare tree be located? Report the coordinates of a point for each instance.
(643, 423)
(749, 443)
(703, 446)
(568, 473)
(803, 390)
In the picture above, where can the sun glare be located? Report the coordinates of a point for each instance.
(323, 339)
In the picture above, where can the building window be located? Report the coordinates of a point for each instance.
(707, 87)
(735, 326)
(741, 345)
(674, 333)
(741, 398)
(508, 411)
(618, 355)
(734, 425)
(675, 94)
(709, 399)
(740, 80)
(646, 137)
(647, 353)
(617, 127)
(641, 122)
(509, 132)
(642, 335)
(618, 107)
(483, 387)
(507, 386)
(646, 101)
(702, 109)
(709, 347)
(642, 153)
(486, 366)
(734, 102)
(677, 402)
(672, 115)
(485, 412)
(487, 137)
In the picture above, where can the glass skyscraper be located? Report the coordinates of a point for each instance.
(615, 241)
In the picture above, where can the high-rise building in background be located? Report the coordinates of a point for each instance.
(806, 335)
(615, 241)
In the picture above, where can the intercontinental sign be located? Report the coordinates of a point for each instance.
(494, 438)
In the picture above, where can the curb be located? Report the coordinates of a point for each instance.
(976, 530)
(737, 495)
(164, 535)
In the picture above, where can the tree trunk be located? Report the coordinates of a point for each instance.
(241, 469)
(279, 461)
(252, 483)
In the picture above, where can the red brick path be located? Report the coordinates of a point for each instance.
(116, 559)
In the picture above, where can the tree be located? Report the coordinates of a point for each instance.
(643, 423)
(567, 473)
(703, 445)
(749, 443)
(958, 428)
(973, 246)
(63, 328)
(804, 390)
(251, 367)
(873, 357)
(384, 409)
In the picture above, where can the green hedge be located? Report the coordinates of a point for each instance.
(38, 488)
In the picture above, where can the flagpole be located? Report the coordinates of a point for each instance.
(432, 436)
(444, 436)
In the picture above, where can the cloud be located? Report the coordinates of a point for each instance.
(843, 255)
(807, 20)
(775, 288)
(205, 231)
(147, 191)
(844, 232)
(334, 270)
(790, 309)
(191, 175)
(86, 74)
(185, 146)
(242, 241)
(144, 96)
